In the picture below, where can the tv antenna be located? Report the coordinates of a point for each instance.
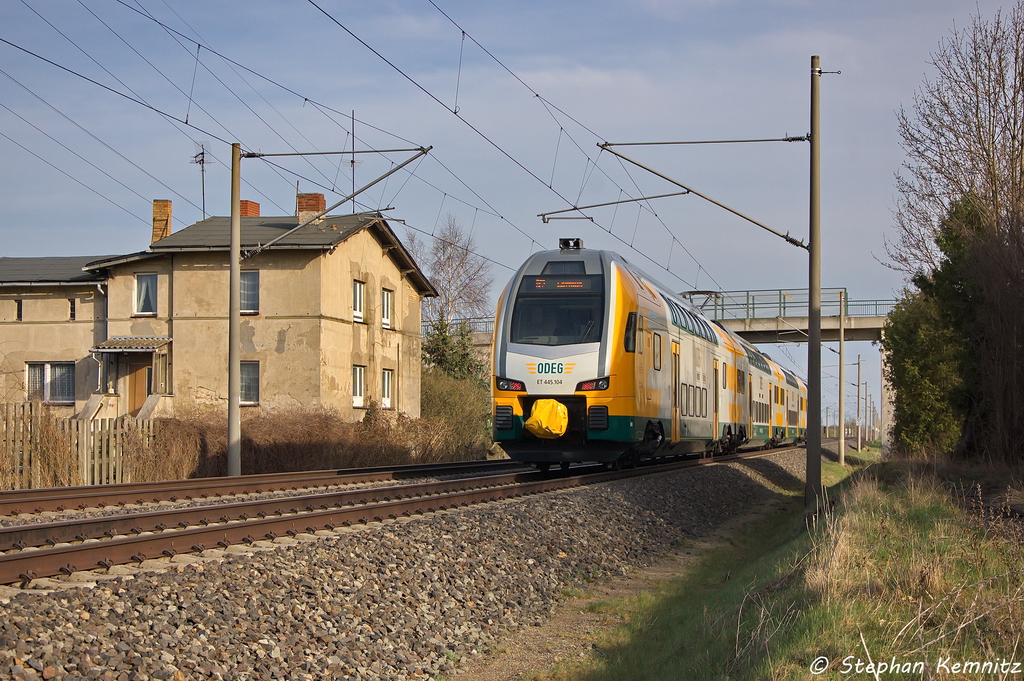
(353, 162)
(201, 160)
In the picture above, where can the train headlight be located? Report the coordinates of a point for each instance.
(508, 384)
(596, 384)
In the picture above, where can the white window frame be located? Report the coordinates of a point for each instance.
(358, 300)
(358, 386)
(47, 384)
(247, 397)
(387, 388)
(387, 303)
(137, 311)
(250, 306)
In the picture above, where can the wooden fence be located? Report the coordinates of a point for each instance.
(38, 449)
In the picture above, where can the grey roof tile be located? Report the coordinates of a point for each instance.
(215, 232)
(57, 270)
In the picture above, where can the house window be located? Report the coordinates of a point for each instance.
(387, 378)
(386, 304)
(358, 386)
(250, 393)
(19, 310)
(145, 294)
(71, 309)
(358, 289)
(52, 382)
(250, 303)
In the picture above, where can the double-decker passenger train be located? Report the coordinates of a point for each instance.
(595, 361)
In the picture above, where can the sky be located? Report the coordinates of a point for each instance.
(105, 103)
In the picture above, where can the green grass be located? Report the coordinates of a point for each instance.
(896, 570)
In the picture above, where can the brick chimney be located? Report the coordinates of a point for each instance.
(250, 209)
(308, 205)
(161, 219)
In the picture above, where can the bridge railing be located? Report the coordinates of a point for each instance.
(769, 304)
(473, 325)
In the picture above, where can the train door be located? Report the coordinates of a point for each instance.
(676, 387)
(750, 405)
(717, 401)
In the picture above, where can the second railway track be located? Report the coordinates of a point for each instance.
(64, 547)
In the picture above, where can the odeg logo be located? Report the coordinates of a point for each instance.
(550, 368)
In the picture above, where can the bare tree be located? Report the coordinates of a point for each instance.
(964, 139)
(463, 282)
(462, 278)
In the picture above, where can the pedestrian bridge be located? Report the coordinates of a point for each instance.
(781, 315)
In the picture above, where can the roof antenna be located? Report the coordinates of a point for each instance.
(201, 160)
(353, 162)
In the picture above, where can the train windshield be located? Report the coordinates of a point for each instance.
(558, 310)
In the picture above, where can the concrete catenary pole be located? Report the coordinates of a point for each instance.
(867, 414)
(235, 318)
(858, 405)
(812, 488)
(842, 379)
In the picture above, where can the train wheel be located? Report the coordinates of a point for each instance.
(564, 465)
(543, 467)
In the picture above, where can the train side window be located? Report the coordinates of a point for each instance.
(630, 340)
(686, 409)
(704, 400)
(657, 352)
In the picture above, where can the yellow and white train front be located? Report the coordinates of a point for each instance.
(552, 359)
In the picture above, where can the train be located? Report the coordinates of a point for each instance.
(594, 361)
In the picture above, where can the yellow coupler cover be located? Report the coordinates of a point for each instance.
(548, 419)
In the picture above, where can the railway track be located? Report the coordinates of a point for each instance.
(16, 502)
(64, 547)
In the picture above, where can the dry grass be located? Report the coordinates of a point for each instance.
(41, 455)
(272, 442)
(919, 570)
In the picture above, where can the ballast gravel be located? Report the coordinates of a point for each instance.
(401, 600)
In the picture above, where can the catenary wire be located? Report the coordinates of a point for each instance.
(477, 130)
(546, 103)
(75, 179)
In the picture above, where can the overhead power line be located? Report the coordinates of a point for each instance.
(113, 91)
(481, 134)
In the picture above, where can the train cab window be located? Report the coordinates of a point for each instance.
(629, 344)
(657, 351)
(558, 310)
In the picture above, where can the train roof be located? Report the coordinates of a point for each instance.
(682, 311)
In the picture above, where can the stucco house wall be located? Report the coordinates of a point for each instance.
(305, 335)
(44, 333)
